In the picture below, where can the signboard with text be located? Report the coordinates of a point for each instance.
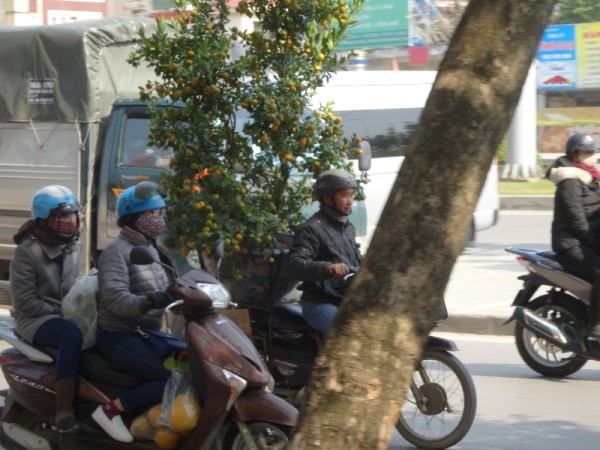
(569, 57)
(380, 24)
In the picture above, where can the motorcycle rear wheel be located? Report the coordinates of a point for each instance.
(449, 411)
(542, 356)
(267, 435)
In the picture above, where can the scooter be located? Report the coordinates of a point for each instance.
(551, 329)
(439, 407)
(233, 385)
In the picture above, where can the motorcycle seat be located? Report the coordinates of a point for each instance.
(562, 265)
(284, 316)
(97, 369)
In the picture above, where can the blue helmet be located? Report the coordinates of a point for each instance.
(53, 199)
(144, 196)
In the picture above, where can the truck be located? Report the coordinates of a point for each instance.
(70, 114)
(64, 119)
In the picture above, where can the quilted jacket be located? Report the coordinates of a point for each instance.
(123, 285)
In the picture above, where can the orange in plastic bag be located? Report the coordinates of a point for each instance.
(166, 439)
(184, 413)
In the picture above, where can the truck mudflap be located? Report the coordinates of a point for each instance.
(264, 406)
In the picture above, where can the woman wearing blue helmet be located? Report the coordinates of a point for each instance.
(43, 269)
(132, 297)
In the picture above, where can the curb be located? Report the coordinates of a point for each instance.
(492, 325)
(487, 325)
(527, 202)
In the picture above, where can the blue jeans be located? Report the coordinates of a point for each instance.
(319, 315)
(131, 353)
(66, 337)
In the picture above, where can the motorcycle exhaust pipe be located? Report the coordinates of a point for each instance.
(540, 327)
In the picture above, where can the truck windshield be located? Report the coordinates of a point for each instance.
(136, 152)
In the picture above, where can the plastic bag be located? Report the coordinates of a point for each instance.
(79, 307)
(179, 409)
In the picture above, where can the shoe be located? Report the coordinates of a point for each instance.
(114, 427)
(594, 334)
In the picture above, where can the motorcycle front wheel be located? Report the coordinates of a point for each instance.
(544, 357)
(440, 406)
(267, 436)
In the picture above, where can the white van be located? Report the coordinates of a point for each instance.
(383, 108)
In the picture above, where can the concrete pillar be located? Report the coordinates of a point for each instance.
(521, 139)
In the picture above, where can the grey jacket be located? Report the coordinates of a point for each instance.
(40, 277)
(123, 285)
(319, 241)
(576, 207)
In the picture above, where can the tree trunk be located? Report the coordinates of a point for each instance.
(360, 378)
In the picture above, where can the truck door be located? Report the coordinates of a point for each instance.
(126, 160)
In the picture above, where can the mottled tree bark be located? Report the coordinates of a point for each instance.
(361, 376)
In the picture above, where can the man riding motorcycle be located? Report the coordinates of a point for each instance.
(324, 250)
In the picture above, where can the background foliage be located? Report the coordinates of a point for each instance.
(576, 11)
(246, 144)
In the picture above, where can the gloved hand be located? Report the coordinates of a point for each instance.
(157, 300)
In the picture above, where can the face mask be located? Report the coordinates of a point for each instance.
(62, 225)
(150, 224)
(588, 158)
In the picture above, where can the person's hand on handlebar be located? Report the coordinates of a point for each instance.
(157, 300)
(338, 270)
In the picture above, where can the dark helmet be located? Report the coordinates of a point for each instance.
(581, 141)
(331, 181)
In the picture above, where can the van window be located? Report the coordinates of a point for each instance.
(387, 130)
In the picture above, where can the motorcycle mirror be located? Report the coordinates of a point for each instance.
(364, 159)
(141, 256)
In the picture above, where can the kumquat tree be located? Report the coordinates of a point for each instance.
(235, 107)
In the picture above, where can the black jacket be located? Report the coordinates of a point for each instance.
(319, 241)
(576, 207)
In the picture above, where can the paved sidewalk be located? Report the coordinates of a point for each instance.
(471, 314)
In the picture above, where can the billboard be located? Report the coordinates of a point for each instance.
(380, 24)
(569, 57)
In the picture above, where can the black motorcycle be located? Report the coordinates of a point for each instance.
(551, 329)
(439, 407)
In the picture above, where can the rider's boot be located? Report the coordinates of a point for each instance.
(65, 417)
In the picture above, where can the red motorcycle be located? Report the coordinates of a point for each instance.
(231, 381)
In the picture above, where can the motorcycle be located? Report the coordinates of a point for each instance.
(232, 383)
(439, 407)
(551, 329)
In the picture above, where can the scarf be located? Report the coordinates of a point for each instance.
(591, 170)
(42, 232)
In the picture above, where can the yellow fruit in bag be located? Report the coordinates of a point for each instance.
(184, 413)
(141, 428)
(166, 439)
(154, 415)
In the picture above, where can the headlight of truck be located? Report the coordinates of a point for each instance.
(217, 292)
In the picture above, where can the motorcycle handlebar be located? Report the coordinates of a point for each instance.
(190, 296)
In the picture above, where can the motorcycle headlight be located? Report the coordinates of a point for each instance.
(217, 292)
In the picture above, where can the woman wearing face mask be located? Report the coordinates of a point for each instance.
(132, 296)
(576, 223)
(43, 269)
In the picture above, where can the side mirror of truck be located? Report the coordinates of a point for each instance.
(364, 159)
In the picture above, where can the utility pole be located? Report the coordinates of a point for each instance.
(521, 146)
